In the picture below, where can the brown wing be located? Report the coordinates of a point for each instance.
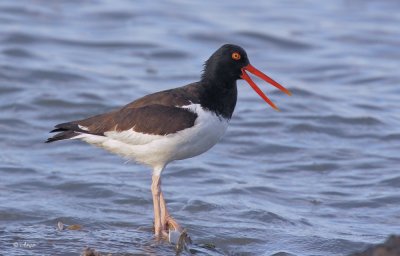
(158, 113)
(152, 119)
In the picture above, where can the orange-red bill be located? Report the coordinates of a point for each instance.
(266, 78)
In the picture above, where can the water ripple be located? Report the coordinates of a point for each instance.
(280, 42)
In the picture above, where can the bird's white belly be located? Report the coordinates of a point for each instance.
(159, 150)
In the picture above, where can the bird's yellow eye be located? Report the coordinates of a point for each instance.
(236, 56)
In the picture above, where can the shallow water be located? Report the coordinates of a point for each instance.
(321, 177)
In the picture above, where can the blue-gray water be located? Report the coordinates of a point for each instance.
(321, 177)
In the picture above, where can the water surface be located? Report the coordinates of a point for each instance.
(321, 177)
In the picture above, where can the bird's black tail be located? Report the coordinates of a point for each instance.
(64, 131)
(62, 136)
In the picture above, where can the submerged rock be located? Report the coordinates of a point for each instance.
(92, 252)
(391, 247)
(61, 226)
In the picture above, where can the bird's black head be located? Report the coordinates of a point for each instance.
(230, 63)
(225, 65)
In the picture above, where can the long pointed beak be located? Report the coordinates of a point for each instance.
(267, 79)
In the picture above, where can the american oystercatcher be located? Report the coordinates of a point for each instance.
(171, 125)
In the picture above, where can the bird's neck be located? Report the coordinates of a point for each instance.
(219, 96)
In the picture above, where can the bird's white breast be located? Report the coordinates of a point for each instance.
(159, 150)
(206, 132)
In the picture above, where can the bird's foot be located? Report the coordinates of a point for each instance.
(177, 235)
(172, 224)
(181, 240)
(174, 233)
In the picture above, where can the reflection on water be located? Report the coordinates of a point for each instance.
(319, 178)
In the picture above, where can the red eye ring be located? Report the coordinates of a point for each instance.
(236, 56)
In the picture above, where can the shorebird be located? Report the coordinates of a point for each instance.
(173, 124)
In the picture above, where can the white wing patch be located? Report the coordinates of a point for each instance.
(83, 127)
(132, 137)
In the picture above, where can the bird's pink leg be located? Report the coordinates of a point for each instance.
(166, 219)
(163, 222)
(156, 191)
